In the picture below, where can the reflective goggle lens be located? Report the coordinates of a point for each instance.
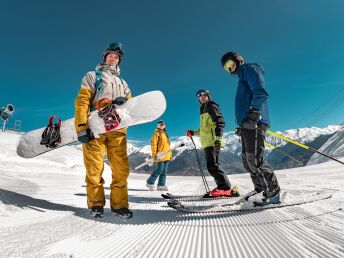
(229, 65)
(202, 94)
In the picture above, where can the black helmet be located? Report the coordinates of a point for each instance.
(203, 92)
(114, 47)
(235, 57)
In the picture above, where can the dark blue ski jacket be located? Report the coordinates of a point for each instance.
(251, 93)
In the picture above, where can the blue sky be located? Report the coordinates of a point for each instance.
(175, 46)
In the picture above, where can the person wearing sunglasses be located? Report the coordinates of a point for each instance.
(160, 143)
(252, 117)
(212, 124)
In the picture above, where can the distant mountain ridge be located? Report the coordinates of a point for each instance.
(184, 159)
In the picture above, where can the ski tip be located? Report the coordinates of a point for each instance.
(166, 196)
(174, 203)
(207, 195)
(171, 204)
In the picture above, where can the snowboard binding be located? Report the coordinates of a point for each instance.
(108, 113)
(51, 136)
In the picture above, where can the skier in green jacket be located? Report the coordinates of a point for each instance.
(212, 124)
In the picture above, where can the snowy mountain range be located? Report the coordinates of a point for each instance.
(280, 154)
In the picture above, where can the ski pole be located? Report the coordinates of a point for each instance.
(301, 145)
(207, 189)
(286, 154)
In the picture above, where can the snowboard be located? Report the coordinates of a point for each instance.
(239, 204)
(151, 161)
(138, 110)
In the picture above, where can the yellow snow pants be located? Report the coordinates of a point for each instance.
(115, 145)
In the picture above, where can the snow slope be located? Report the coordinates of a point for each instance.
(43, 214)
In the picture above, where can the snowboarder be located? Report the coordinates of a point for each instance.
(160, 143)
(212, 124)
(104, 82)
(252, 117)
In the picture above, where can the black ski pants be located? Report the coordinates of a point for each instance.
(262, 174)
(213, 166)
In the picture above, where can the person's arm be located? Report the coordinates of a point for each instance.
(127, 95)
(154, 144)
(127, 91)
(218, 119)
(196, 132)
(192, 132)
(83, 103)
(254, 76)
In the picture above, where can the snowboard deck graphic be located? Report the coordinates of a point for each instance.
(241, 205)
(138, 110)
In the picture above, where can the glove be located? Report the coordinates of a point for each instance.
(217, 143)
(237, 131)
(254, 115)
(85, 136)
(250, 122)
(119, 100)
(189, 133)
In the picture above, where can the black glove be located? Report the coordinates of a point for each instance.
(217, 143)
(189, 133)
(119, 100)
(85, 136)
(250, 122)
(254, 115)
(237, 131)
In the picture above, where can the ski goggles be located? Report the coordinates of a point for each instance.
(228, 66)
(202, 94)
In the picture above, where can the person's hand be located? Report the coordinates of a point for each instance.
(189, 133)
(85, 136)
(254, 115)
(250, 122)
(217, 143)
(120, 100)
(237, 131)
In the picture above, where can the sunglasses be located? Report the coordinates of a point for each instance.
(228, 66)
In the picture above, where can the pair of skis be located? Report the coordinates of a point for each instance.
(242, 203)
(174, 201)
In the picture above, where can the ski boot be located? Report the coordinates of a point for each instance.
(162, 188)
(269, 198)
(224, 193)
(151, 187)
(124, 213)
(97, 212)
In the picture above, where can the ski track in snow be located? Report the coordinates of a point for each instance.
(43, 213)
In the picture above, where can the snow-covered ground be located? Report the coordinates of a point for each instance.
(43, 213)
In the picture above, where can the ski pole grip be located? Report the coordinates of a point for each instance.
(189, 133)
